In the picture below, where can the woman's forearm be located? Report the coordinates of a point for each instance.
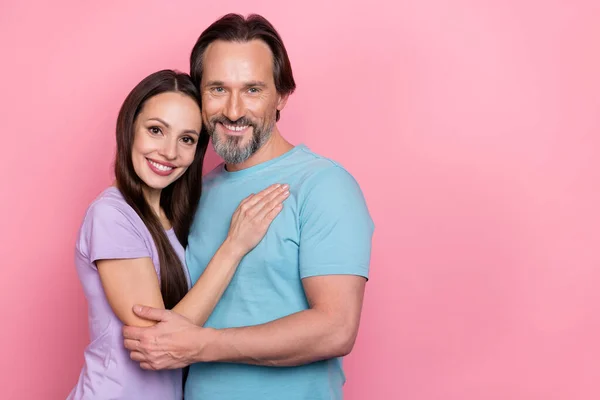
(199, 302)
(248, 226)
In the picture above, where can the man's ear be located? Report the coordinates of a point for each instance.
(282, 101)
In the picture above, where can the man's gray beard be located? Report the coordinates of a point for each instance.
(229, 148)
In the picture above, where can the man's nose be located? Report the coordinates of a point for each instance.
(234, 109)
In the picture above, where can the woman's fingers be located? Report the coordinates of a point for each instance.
(247, 198)
(252, 200)
(239, 207)
(264, 193)
(268, 202)
(275, 202)
(270, 216)
(254, 215)
(256, 204)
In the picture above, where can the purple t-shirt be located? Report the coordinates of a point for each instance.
(112, 229)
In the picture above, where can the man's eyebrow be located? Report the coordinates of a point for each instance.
(246, 84)
(215, 83)
(255, 83)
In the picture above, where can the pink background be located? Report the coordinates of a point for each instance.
(472, 126)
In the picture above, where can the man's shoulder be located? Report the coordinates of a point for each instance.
(318, 168)
(313, 160)
(331, 196)
(323, 179)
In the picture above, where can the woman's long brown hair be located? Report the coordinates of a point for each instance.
(180, 199)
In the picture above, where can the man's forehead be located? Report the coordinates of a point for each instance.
(254, 52)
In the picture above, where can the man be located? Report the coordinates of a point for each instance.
(292, 309)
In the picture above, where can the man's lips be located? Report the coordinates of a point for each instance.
(233, 130)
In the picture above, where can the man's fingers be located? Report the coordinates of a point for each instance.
(132, 332)
(145, 365)
(137, 356)
(131, 345)
(150, 313)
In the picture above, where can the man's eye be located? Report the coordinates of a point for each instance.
(254, 90)
(218, 89)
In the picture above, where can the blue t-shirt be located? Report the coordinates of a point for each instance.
(324, 228)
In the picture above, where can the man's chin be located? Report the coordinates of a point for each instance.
(232, 153)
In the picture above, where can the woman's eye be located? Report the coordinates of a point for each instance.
(188, 140)
(155, 130)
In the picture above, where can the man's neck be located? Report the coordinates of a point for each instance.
(273, 148)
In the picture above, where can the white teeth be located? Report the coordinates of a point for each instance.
(160, 166)
(236, 128)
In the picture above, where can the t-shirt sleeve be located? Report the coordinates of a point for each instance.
(108, 233)
(336, 228)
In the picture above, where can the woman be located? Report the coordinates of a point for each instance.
(131, 243)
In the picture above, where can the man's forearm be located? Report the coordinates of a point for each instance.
(300, 338)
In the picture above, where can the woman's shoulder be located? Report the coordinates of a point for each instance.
(110, 220)
(110, 207)
(109, 195)
(109, 201)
